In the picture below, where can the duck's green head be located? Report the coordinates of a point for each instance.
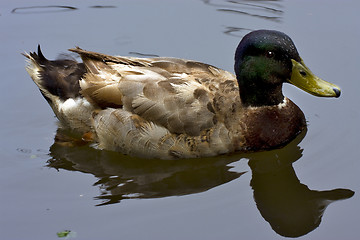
(264, 60)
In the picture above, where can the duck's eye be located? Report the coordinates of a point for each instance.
(270, 54)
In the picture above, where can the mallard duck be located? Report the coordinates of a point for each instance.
(174, 108)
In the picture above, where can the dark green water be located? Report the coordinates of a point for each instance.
(49, 187)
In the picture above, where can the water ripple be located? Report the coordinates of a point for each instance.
(269, 10)
(42, 9)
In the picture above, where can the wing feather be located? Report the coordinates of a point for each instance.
(173, 93)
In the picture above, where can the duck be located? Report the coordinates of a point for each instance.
(172, 108)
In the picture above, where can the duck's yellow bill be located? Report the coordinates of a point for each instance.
(304, 79)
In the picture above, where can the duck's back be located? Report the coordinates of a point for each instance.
(147, 107)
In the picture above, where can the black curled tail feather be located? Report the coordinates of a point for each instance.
(58, 78)
(39, 57)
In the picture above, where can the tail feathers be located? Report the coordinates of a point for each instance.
(55, 79)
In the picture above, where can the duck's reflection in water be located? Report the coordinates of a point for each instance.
(122, 177)
(291, 208)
